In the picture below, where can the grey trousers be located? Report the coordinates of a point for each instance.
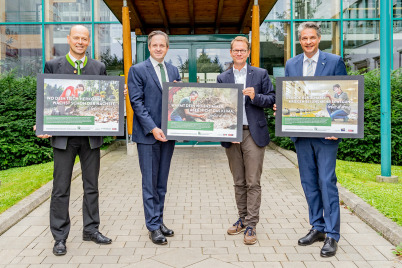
(245, 162)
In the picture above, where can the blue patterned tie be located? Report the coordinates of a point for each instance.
(310, 70)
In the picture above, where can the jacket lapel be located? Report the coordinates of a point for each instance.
(299, 65)
(249, 76)
(151, 71)
(322, 62)
(231, 79)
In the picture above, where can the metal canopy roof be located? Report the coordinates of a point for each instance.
(190, 16)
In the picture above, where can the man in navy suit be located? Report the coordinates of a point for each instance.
(246, 158)
(154, 150)
(316, 156)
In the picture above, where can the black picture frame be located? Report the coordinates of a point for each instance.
(223, 118)
(99, 112)
(305, 110)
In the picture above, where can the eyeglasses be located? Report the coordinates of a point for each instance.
(242, 51)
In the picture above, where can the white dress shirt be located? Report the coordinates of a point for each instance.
(240, 78)
(74, 60)
(305, 62)
(158, 70)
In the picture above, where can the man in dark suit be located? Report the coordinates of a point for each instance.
(65, 149)
(246, 158)
(154, 150)
(317, 157)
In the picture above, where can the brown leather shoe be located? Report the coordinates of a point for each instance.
(236, 228)
(250, 236)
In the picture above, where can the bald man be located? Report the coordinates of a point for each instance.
(65, 149)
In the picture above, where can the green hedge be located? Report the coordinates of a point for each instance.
(18, 144)
(368, 149)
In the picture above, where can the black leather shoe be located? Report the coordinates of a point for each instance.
(60, 248)
(329, 248)
(96, 237)
(166, 231)
(312, 236)
(157, 237)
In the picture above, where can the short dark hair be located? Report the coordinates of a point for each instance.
(193, 93)
(80, 85)
(153, 33)
(337, 85)
(309, 25)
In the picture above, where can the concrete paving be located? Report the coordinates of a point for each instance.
(200, 206)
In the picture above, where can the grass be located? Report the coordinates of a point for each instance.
(17, 183)
(360, 179)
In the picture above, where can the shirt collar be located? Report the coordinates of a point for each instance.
(314, 58)
(155, 63)
(242, 70)
(74, 59)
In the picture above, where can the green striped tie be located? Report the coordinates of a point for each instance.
(78, 66)
(163, 74)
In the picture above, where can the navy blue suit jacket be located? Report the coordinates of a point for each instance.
(328, 65)
(145, 93)
(264, 98)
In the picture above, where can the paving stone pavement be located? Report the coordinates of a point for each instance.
(200, 206)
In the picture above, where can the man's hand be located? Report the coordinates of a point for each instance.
(44, 136)
(249, 91)
(125, 90)
(331, 138)
(274, 108)
(159, 135)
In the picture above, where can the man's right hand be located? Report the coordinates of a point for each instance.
(159, 135)
(44, 136)
(274, 108)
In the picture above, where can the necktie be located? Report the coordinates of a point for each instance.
(78, 66)
(163, 74)
(310, 67)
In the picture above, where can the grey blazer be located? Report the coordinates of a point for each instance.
(60, 65)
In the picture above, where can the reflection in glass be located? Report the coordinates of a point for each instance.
(56, 40)
(20, 10)
(354, 9)
(397, 46)
(361, 44)
(65, 11)
(109, 47)
(316, 9)
(21, 49)
(212, 62)
(397, 5)
(275, 47)
(179, 57)
(102, 12)
(280, 11)
(329, 38)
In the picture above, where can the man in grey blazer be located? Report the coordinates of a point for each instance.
(65, 149)
(154, 150)
(246, 158)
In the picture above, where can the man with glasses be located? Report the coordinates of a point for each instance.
(246, 158)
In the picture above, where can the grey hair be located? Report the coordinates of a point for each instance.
(153, 33)
(309, 25)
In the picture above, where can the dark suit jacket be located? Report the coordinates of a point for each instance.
(60, 65)
(328, 65)
(145, 93)
(264, 98)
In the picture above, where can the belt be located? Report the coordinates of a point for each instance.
(245, 127)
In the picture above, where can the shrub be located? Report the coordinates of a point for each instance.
(18, 144)
(368, 149)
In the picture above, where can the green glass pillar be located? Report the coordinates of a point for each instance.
(385, 68)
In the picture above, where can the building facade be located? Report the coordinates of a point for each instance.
(33, 31)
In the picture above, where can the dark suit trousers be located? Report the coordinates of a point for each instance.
(317, 161)
(63, 168)
(155, 165)
(245, 162)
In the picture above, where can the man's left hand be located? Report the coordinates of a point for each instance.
(125, 90)
(249, 91)
(331, 138)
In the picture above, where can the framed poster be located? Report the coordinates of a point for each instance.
(85, 105)
(320, 106)
(202, 112)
